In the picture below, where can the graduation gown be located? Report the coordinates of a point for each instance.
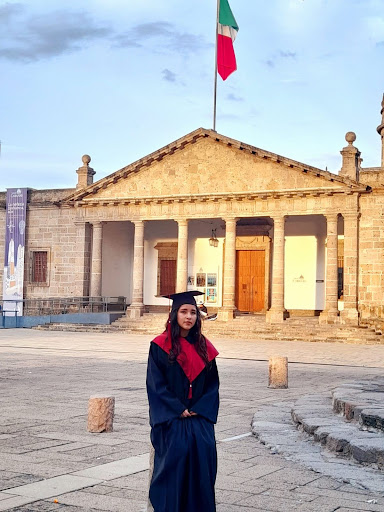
(185, 462)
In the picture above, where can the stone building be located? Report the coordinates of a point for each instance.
(255, 231)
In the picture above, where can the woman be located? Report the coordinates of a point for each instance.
(183, 395)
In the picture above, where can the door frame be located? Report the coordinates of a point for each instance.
(259, 243)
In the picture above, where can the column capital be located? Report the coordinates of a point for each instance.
(181, 221)
(229, 219)
(330, 216)
(138, 222)
(279, 218)
(97, 224)
(351, 215)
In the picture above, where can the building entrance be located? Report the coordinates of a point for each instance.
(250, 280)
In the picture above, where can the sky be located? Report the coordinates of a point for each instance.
(118, 79)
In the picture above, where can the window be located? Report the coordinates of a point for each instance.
(39, 267)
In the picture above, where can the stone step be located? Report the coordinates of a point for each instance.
(272, 426)
(245, 327)
(362, 402)
(340, 426)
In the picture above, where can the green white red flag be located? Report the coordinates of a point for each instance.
(226, 34)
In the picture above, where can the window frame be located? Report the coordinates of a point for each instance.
(32, 254)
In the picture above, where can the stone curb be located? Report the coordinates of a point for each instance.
(356, 438)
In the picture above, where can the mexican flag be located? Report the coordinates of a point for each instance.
(226, 34)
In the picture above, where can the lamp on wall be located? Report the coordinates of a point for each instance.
(213, 241)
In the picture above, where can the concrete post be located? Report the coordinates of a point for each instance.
(182, 256)
(97, 240)
(227, 311)
(276, 313)
(330, 313)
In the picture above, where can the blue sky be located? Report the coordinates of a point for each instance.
(117, 79)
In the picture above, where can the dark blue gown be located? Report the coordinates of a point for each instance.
(185, 463)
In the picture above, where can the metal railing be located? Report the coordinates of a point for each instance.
(63, 305)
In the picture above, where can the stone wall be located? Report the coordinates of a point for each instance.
(52, 229)
(371, 256)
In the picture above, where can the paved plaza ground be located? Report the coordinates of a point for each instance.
(49, 462)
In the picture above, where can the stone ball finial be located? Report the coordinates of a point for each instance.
(350, 137)
(86, 159)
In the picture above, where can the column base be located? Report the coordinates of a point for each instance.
(349, 316)
(329, 316)
(275, 316)
(135, 311)
(226, 314)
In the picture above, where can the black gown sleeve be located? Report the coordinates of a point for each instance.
(163, 403)
(208, 405)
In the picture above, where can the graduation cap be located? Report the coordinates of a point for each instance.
(183, 298)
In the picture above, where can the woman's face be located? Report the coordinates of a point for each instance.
(186, 318)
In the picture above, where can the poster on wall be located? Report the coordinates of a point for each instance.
(200, 280)
(211, 279)
(13, 277)
(200, 299)
(211, 295)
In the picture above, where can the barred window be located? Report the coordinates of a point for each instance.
(39, 266)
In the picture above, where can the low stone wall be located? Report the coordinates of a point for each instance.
(9, 322)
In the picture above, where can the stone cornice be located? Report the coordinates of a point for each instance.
(192, 138)
(216, 197)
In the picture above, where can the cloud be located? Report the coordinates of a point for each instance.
(287, 54)
(168, 76)
(233, 97)
(282, 54)
(29, 38)
(7, 11)
(169, 38)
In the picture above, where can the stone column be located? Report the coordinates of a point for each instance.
(229, 282)
(276, 313)
(182, 256)
(330, 313)
(97, 240)
(81, 270)
(351, 257)
(136, 309)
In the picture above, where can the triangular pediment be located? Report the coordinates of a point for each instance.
(206, 163)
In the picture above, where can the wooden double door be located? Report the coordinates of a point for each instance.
(250, 280)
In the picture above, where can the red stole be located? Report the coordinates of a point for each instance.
(189, 360)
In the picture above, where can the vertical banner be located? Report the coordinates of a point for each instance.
(13, 280)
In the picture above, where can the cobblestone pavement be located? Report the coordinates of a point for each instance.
(49, 462)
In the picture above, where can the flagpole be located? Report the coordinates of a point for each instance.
(215, 86)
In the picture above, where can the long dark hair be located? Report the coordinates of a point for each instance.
(173, 329)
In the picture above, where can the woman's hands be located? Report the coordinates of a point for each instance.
(187, 414)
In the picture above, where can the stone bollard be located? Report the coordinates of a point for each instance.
(101, 410)
(278, 372)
